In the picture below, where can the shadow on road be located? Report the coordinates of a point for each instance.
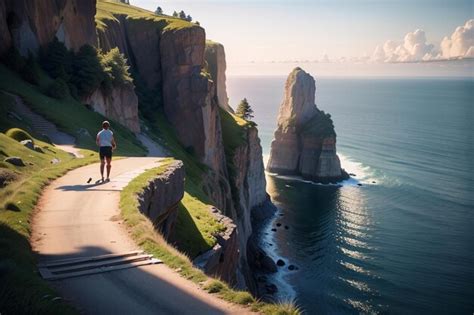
(139, 290)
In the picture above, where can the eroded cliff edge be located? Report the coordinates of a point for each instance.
(305, 140)
(169, 58)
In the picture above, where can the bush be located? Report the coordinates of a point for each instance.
(56, 60)
(88, 72)
(18, 134)
(31, 71)
(58, 89)
(115, 65)
(13, 60)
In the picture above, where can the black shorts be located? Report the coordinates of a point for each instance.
(105, 152)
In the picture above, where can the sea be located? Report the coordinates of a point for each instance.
(403, 241)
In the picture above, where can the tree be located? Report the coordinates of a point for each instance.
(182, 15)
(31, 70)
(175, 14)
(159, 11)
(189, 18)
(56, 60)
(88, 71)
(244, 110)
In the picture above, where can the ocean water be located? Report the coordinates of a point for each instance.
(403, 242)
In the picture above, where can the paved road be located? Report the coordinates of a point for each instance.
(76, 219)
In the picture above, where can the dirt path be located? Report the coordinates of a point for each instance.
(76, 219)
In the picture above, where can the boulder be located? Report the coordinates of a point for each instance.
(28, 143)
(17, 161)
(38, 149)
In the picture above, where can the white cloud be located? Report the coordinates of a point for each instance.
(461, 43)
(413, 48)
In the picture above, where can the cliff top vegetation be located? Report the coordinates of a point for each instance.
(109, 9)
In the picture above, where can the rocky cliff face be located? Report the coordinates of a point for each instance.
(305, 140)
(121, 104)
(159, 200)
(29, 24)
(216, 64)
(172, 60)
(249, 189)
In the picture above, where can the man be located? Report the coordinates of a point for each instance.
(106, 142)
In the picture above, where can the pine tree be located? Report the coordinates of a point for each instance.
(244, 110)
(88, 72)
(189, 18)
(159, 11)
(56, 60)
(175, 14)
(182, 15)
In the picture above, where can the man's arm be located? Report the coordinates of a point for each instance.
(97, 141)
(114, 144)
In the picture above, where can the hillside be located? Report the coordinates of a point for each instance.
(147, 74)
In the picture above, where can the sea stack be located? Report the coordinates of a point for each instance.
(305, 141)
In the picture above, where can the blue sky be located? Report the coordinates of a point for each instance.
(269, 30)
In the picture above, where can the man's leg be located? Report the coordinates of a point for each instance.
(109, 165)
(102, 164)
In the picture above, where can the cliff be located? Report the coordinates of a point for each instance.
(29, 25)
(168, 56)
(159, 200)
(304, 141)
(216, 66)
(120, 104)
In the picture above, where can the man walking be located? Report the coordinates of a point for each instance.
(106, 142)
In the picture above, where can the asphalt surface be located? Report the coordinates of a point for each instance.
(76, 219)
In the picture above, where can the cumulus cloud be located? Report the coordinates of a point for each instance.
(415, 47)
(461, 43)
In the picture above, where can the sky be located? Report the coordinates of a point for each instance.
(271, 36)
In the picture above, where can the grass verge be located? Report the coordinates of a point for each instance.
(21, 288)
(151, 241)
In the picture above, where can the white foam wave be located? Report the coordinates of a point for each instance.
(286, 292)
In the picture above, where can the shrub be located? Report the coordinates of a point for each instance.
(13, 60)
(58, 89)
(88, 72)
(56, 60)
(18, 134)
(115, 65)
(31, 71)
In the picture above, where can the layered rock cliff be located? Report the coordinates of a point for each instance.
(168, 55)
(216, 65)
(29, 24)
(160, 198)
(305, 141)
(120, 104)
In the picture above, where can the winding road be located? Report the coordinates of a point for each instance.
(76, 220)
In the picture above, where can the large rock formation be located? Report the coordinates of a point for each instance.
(216, 65)
(29, 24)
(159, 200)
(120, 104)
(305, 140)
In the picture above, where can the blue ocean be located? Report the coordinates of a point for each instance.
(403, 242)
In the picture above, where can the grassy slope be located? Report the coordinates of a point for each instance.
(69, 115)
(107, 9)
(144, 235)
(21, 288)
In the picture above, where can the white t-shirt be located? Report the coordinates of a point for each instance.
(105, 138)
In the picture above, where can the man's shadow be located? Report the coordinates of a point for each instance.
(86, 187)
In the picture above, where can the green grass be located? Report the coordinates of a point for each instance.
(144, 234)
(68, 115)
(21, 288)
(109, 9)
